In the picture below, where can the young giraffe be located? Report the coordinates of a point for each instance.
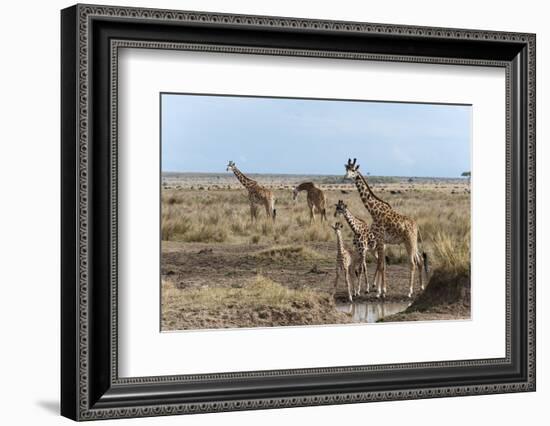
(394, 228)
(364, 239)
(257, 194)
(345, 261)
(316, 199)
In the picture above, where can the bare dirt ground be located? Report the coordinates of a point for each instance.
(190, 265)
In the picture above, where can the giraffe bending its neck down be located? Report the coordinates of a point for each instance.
(257, 194)
(345, 262)
(316, 199)
(364, 239)
(395, 229)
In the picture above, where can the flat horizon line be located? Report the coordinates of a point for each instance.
(314, 174)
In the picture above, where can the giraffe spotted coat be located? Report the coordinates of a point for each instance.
(258, 195)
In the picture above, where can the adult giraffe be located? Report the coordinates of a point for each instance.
(257, 194)
(397, 229)
(316, 200)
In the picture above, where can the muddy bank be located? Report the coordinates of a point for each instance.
(197, 265)
(446, 297)
(207, 285)
(257, 303)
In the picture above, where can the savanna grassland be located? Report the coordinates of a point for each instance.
(220, 269)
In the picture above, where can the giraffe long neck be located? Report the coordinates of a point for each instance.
(352, 222)
(244, 180)
(340, 242)
(374, 205)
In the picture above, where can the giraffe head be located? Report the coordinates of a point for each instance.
(351, 169)
(294, 193)
(340, 208)
(337, 227)
(230, 166)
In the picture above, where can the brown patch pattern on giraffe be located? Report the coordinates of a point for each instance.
(346, 261)
(393, 228)
(316, 200)
(364, 240)
(257, 194)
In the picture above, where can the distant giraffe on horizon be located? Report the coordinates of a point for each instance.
(257, 194)
(364, 239)
(395, 229)
(316, 200)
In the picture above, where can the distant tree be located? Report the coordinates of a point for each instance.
(466, 174)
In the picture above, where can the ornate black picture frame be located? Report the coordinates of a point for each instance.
(91, 37)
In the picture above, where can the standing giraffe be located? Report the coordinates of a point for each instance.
(394, 228)
(364, 239)
(257, 194)
(316, 199)
(345, 262)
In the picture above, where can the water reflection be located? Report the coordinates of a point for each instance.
(371, 311)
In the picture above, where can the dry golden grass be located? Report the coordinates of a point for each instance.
(260, 291)
(223, 216)
(258, 302)
(452, 253)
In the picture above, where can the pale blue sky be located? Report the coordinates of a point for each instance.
(303, 136)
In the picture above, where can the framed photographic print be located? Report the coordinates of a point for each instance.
(263, 212)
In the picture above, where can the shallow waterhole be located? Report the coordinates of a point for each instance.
(369, 312)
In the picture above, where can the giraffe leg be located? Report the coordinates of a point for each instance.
(359, 279)
(364, 265)
(357, 286)
(268, 209)
(420, 267)
(336, 279)
(346, 276)
(376, 274)
(412, 265)
(381, 270)
(361, 272)
(253, 212)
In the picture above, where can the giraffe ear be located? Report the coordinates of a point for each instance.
(357, 168)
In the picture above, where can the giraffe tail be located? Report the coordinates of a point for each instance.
(274, 214)
(424, 262)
